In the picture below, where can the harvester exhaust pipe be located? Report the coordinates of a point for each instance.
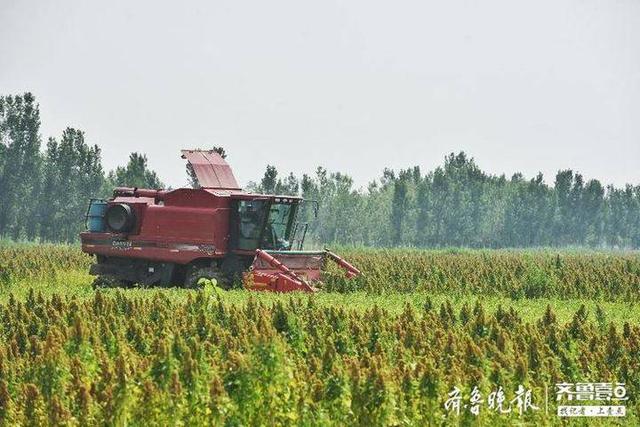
(139, 192)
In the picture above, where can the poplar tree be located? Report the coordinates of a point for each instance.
(135, 174)
(19, 178)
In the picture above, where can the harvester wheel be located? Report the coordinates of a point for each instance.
(198, 277)
(103, 282)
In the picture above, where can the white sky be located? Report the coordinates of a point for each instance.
(354, 86)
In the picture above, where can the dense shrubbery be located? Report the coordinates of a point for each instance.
(157, 362)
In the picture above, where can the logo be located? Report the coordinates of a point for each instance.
(122, 245)
(579, 395)
(496, 401)
(583, 399)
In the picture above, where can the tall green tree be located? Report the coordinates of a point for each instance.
(20, 164)
(563, 226)
(72, 174)
(269, 180)
(289, 186)
(135, 174)
(592, 208)
(399, 206)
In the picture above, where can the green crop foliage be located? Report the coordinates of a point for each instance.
(517, 274)
(383, 350)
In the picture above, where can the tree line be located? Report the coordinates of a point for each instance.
(44, 193)
(44, 190)
(459, 205)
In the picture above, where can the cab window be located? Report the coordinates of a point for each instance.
(251, 215)
(278, 226)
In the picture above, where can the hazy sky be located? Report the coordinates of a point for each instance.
(355, 86)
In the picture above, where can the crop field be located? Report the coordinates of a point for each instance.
(389, 348)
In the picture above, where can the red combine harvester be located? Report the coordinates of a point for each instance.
(217, 232)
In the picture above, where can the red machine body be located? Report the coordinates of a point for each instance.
(216, 232)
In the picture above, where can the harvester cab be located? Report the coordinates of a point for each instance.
(217, 233)
(263, 223)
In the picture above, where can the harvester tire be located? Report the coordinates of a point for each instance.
(104, 282)
(197, 277)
